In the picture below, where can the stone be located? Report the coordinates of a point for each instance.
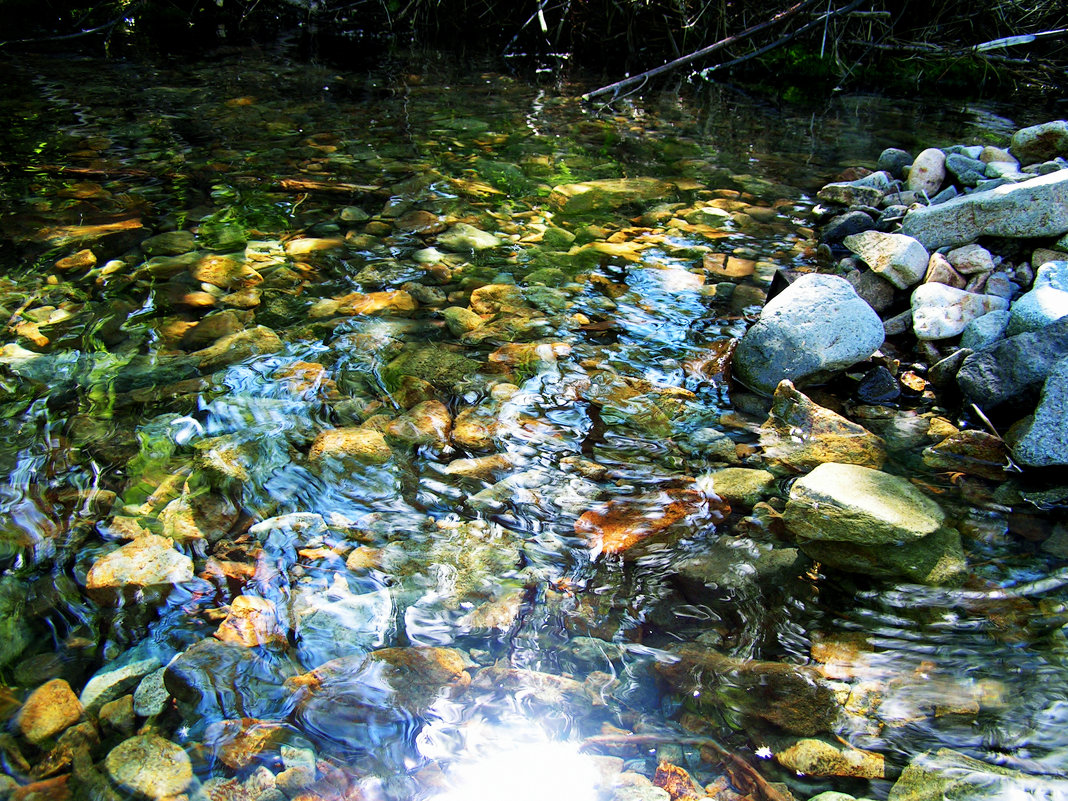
(799, 434)
(1043, 441)
(971, 259)
(940, 271)
(984, 330)
(894, 161)
(738, 485)
(116, 679)
(620, 525)
(237, 348)
(224, 272)
(494, 298)
(50, 709)
(1040, 142)
(436, 365)
(460, 320)
(147, 562)
(873, 289)
(848, 193)
(1012, 366)
(118, 715)
(610, 193)
(170, 243)
(82, 260)
(946, 774)
(935, 560)
(899, 259)
(251, 622)
(151, 696)
(426, 423)
(940, 311)
(1034, 208)
(462, 238)
(1046, 302)
(852, 222)
(850, 503)
(814, 328)
(336, 622)
(878, 386)
(970, 451)
(928, 171)
(149, 765)
(303, 246)
(968, 172)
(359, 445)
(812, 757)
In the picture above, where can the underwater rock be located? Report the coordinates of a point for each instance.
(236, 348)
(738, 485)
(814, 328)
(169, 243)
(117, 678)
(148, 562)
(361, 445)
(799, 434)
(620, 525)
(224, 272)
(460, 320)
(899, 259)
(812, 757)
(252, 621)
(949, 774)
(426, 423)
(335, 622)
(50, 709)
(973, 452)
(475, 427)
(494, 298)
(436, 365)
(609, 193)
(149, 765)
(461, 238)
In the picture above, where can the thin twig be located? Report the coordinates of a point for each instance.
(126, 12)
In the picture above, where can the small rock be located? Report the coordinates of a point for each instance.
(460, 320)
(818, 758)
(149, 561)
(361, 445)
(873, 289)
(171, 243)
(620, 525)
(971, 259)
(610, 193)
(970, 451)
(852, 222)
(118, 715)
(50, 709)
(984, 330)
(968, 172)
(738, 485)
(928, 171)
(151, 696)
(1007, 369)
(894, 161)
(426, 423)
(82, 260)
(940, 271)
(149, 765)
(464, 238)
(899, 259)
(252, 621)
(940, 311)
(1046, 302)
(116, 679)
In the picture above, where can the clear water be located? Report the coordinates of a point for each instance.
(108, 426)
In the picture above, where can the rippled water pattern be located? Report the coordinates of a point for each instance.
(345, 567)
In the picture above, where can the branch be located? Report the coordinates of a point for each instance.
(688, 59)
(110, 24)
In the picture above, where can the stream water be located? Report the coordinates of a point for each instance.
(414, 607)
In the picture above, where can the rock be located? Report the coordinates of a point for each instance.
(1034, 208)
(395, 301)
(224, 272)
(940, 311)
(819, 758)
(985, 330)
(360, 445)
(971, 451)
(928, 171)
(252, 621)
(899, 259)
(1040, 142)
(483, 468)
(82, 260)
(149, 765)
(850, 503)
(460, 320)
(237, 348)
(940, 271)
(117, 679)
(1011, 366)
(304, 246)
(427, 423)
(1046, 302)
(947, 774)
(677, 781)
(1043, 441)
(799, 434)
(738, 565)
(971, 259)
(118, 715)
(814, 328)
(622, 524)
(463, 238)
(852, 222)
(50, 709)
(738, 485)
(436, 365)
(240, 744)
(968, 172)
(873, 289)
(604, 194)
(894, 161)
(794, 697)
(148, 562)
(475, 428)
(170, 243)
(878, 386)
(335, 622)
(494, 298)
(936, 560)
(151, 696)
(850, 193)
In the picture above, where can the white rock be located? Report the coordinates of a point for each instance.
(1046, 302)
(899, 259)
(927, 171)
(940, 311)
(971, 259)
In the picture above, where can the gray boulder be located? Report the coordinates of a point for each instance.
(1040, 142)
(813, 329)
(1044, 439)
(1034, 208)
(899, 259)
(1046, 302)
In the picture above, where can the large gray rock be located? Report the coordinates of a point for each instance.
(807, 333)
(1040, 142)
(1046, 302)
(1012, 366)
(1034, 208)
(1044, 441)
(899, 259)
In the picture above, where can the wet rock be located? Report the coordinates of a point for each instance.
(928, 171)
(850, 503)
(940, 311)
(50, 709)
(460, 320)
(1012, 366)
(148, 562)
(149, 765)
(948, 774)
(819, 758)
(794, 697)
(814, 328)
(894, 161)
(82, 260)
(303, 246)
(151, 696)
(937, 559)
(799, 434)
(738, 565)
(1046, 302)
(738, 485)
(360, 445)
(677, 781)
(116, 679)
(899, 259)
(1040, 142)
(206, 516)
(543, 689)
(170, 243)
(462, 238)
(237, 348)
(878, 386)
(1043, 440)
(610, 193)
(483, 468)
(239, 744)
(620, 525)
(118, 715)
(968, 172)
(494, 298)
(985, 330)
(224, 272)
(1034, 208)
(335, 622)
(974, 452)
(427, 423)
(443, 368)
(252, 621)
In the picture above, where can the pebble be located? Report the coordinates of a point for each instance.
(361, 445)
(928, 171)
(149, 561)
(50, 709)
(1040, 142)
(462, 238)
(899, 259)
(149, 765)
(116, 679)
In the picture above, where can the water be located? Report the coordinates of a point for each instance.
(456, 609)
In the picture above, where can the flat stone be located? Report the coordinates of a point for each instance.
(1012, 366)
(946, 774)
(50, 709)
(1034, 208)
(738, 485)
(848, 193)
(149, 561)
(814, 328)
(610, 193)
(940, 271)
(620, 525)
(928, 171)
(224, 272)
(236, 348)
(114, 680)
(462, 238)
(971, 259)
(899, 259)
(1046, 302)
(170, 243)
(1044, 440)
(1040, 142)
(149, 765)
(850, 503)
(151, 696)
(936, 560)
(940, 311)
